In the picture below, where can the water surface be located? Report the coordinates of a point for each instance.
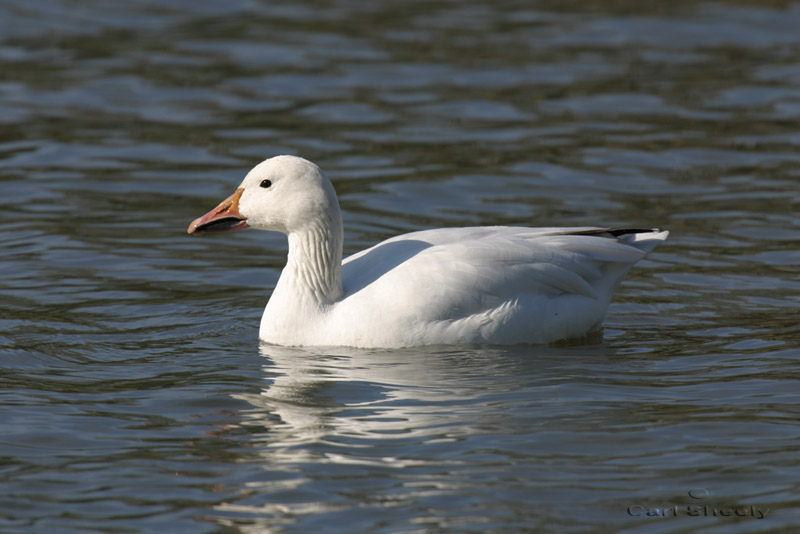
(136, 397)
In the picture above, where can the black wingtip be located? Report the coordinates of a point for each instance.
(614, 232)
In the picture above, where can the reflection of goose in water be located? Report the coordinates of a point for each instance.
(349, 394)
(357, 398)
(499, 285)
(352, 432)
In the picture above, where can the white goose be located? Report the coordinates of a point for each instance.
(499, 285)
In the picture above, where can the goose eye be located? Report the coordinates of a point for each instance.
(265, 183)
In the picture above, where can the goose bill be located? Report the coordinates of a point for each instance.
(224, 218)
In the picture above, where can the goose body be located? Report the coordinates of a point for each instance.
(499, 285)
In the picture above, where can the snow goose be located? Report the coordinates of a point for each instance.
(496, 285)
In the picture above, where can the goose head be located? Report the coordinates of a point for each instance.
(286, 194)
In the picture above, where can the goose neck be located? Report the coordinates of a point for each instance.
(314, 264)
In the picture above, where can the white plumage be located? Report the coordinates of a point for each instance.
(501, 285)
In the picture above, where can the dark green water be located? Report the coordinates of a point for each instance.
(134, 396)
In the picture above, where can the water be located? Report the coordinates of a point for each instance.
(135, 396)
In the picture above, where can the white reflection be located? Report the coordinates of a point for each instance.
(352, 397)
(326, 416)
